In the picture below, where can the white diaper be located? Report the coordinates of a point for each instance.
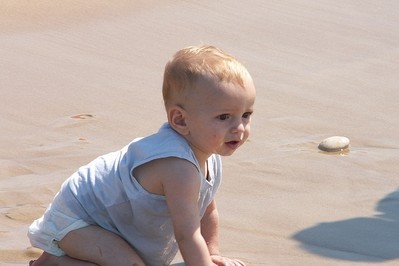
(45, 232)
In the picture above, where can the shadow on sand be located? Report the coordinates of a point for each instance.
(367, 239)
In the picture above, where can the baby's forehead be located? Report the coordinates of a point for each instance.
(216, 83)
(208, 89)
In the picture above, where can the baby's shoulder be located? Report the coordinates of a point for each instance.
(157, 174)
(169, 166)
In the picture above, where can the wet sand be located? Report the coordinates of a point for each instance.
(80, 80)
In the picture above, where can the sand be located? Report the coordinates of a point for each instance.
(81, 79)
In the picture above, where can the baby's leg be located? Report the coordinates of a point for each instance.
(90, 246)
(99, 246)
(47, 259)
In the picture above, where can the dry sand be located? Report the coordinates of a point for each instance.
(79, 80)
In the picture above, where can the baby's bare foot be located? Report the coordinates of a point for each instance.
(45, 260)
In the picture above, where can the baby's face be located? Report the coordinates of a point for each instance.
(219, 116)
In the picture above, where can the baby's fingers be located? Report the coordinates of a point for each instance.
(239, 263)
(223, 261)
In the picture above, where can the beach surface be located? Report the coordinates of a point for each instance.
(79, 79)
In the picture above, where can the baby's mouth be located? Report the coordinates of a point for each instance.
(233, 144)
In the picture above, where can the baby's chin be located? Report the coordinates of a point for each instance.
(229, 148)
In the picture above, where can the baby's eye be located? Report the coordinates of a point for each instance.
(223, 117)
(247, 114)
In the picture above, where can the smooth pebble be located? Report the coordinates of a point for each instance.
(335, 143)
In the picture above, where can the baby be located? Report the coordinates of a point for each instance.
(139, 205)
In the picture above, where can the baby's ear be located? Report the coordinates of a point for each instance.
(177, 119)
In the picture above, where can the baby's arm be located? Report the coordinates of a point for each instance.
(210, 228)
(210, 232)
(181, 187)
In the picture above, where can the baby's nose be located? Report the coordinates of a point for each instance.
(238, 126)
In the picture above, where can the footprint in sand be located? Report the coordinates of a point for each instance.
(82, 116)
(64, 127)
(72, 121)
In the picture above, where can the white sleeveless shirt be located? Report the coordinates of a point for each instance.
(105, 193)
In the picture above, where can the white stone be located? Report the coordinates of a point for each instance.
(335, 143)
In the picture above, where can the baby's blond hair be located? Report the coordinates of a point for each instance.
(194, 62)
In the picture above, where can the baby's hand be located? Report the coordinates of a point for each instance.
(223, 261)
